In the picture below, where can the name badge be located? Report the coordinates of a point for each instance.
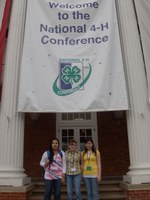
(73, 169)
(89, 168)
(54, 168)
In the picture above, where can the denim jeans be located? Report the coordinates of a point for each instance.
(51, 185)
(92, 188)
(74, 180)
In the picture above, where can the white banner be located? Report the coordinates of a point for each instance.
(72, 59)
(143, 14)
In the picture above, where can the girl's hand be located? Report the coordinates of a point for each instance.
(63, 179)
(99, 178)
(46, 163)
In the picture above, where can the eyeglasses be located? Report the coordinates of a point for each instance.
(73, 144)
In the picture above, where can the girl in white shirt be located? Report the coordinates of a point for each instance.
(55, 168)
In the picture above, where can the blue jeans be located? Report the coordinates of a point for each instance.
(51, 185)
(92, 188)
(74, 180)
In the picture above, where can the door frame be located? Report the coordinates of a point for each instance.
(76, 125)
(77, 134)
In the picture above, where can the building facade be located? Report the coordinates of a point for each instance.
(122, 137)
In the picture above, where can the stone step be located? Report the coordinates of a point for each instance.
(102, 197)
(105, 182)
(101, 189)
(108, 190)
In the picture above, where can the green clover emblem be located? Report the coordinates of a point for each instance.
(71, 75)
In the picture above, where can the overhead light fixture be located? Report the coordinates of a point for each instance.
(118, 114)
(34, 116)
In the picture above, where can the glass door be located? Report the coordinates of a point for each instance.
(83, 133)
(64, 134)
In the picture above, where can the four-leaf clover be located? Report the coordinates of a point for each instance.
(71, 75)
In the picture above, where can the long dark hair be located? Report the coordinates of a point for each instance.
(51, 149)
(93, 146)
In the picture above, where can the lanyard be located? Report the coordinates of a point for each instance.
(88, 156)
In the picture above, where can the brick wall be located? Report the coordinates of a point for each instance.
(113, 144)
(14, 196)
(38, 133)
(138, 194)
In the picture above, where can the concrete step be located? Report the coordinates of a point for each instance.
(101, 189)
(108, 190)
(102, 197)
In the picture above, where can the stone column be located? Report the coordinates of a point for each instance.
(138, 117)
(12, 122)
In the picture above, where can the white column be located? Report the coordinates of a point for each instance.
(138, 117)
(12, 122)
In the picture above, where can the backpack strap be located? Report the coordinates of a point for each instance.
(60, 152)
(48, 154)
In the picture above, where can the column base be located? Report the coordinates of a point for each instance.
(16, 182)
(136, 191)
(13, 176)
(136, 179)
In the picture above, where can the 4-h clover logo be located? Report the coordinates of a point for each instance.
(71, 75)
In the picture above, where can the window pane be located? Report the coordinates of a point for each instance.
(88, 132)
(64, 116)
(88, 116)
(82, 147)
(71, 132)
(82, 139)
(64, 132)
(76, 116)
(82, 132)
(64, 147)
(64, 139)
(70, 116)
(82, 116)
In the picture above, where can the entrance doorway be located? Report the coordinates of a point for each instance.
(78, 126)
